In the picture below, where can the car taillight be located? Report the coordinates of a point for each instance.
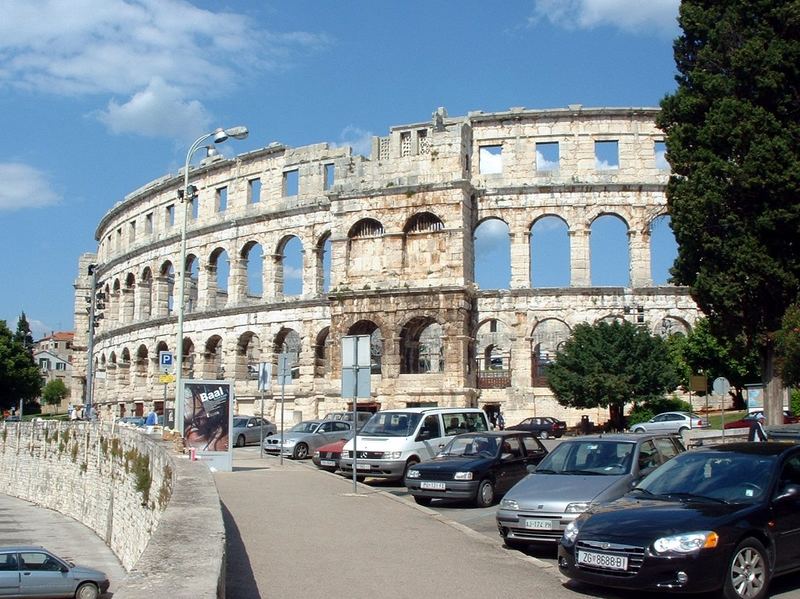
(699, 423)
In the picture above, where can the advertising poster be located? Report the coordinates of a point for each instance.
(207, 420)
(755, 397)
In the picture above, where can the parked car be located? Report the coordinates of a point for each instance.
(327, 456)
(361, 416)
(304, 438)
(746, 421)
(248, 429)
(578, 473)
(670, 422)
(722, 518)
(543, 427)
(31, 571)
(476, 466)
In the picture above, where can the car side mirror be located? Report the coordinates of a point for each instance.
(424, 435)
(250, 425)
(64, 569)
(788, 490)
(531, 468)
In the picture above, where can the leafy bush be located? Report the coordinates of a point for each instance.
(794, 401)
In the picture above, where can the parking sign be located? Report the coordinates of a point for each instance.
(165, 361)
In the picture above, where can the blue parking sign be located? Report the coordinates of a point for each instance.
(165, 361)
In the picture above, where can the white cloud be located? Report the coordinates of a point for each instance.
(24, 187)
(292, 272)
(543, 164)
(134, 48)
(633, 16)
(604, 165)
(661, 160)
(356, 138)
(160, 110)
(491, 234)
(39, 330)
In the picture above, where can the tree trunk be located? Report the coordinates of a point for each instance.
(616, 415)
(773, 388)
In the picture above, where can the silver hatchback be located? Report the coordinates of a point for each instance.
(30, 571)
(578, 473)
(670, 422)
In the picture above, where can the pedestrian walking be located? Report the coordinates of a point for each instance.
(501, 422)
(757, 432)
(151, 420)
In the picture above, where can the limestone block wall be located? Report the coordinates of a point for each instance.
(118, 484)
(392, 235)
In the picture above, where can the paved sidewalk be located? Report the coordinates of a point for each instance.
(296, 532)
(24, 523)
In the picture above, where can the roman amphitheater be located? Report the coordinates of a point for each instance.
(290, 249)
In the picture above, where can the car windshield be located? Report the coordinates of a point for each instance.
(594, 457)
(391, 424)
(304, 427)
(717, 476)
(472, 445)
(239, 422)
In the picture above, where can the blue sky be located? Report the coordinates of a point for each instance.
(98, 97)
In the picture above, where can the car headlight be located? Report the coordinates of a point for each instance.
(412, 474)
(571, 531)
(577, 508)
(290, 442)
(687, 542)
(392, 455)
(316, 454)
(509, 504)
(463, 476)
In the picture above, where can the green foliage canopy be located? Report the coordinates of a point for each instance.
(54, 391)
(733, 142)
(788, 346)
(19, 376)
(609, 365)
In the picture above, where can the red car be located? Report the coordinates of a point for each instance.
(543, 427)
(788, 418)
(327, 457)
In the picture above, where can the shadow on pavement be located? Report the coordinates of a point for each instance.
(240, 583)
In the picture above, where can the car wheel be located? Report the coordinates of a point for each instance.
(485, 495)
(544, 435)
(637, 429)
(748, 572)
(682, 429)
(409, 465)
(87, 591)
(240, 441)
(300, 451)
(422, 500)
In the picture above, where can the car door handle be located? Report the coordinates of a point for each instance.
(26, 573)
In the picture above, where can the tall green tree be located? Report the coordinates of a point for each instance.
(788, 343)
(23, 333)
(19, 376)
(609, 365)
(733, 142)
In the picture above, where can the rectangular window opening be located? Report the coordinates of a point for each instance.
(194, 206)
(660, 150)
(291, 181)
(329, 177)
(148, 224)
(132, 232)
(606, 155)
(254, 191)
(490, 160)
(171, 215)
(222, 199)
(547, 156)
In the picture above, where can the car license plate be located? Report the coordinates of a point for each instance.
(363, 467)
(602, 560)
(539, 524)
(327, 462)
(433, 485)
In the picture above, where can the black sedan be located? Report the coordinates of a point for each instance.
(543, 427)
(725, 519)
(475, 466)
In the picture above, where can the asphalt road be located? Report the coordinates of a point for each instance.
(482, 520)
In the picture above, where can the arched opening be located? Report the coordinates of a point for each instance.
(124, 368)
(663, 249)
(422, 347)
(167, 287)
(117, 313)
(219, 269)
(610, 254)
(253, 259)
(140, 365)
(492, 264)
(672, 325)
(192, 282)
(365, 247)
(248, 356)
(367, 327)
(324, 249)
(188, 358)
(549, 247)
(288, 342)
(146, 293)
(546, 340)
(322, 353)
(213, 367)
(423, 243)
(289, 267)
(493, 353)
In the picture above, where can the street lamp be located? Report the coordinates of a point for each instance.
(219, 135)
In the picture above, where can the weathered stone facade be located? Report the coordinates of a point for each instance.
(397, 231)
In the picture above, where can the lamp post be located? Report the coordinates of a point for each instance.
(219, 135)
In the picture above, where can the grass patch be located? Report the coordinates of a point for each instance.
(715, 420)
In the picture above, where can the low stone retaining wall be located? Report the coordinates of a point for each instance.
(158, 512)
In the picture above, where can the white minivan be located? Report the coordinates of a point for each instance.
(393, 440)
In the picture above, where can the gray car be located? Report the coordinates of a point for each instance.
(303, 439)
(579, 472)
(247, 429)
(30, 571)
(670, 422)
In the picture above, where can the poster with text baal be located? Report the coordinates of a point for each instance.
(208, 407)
